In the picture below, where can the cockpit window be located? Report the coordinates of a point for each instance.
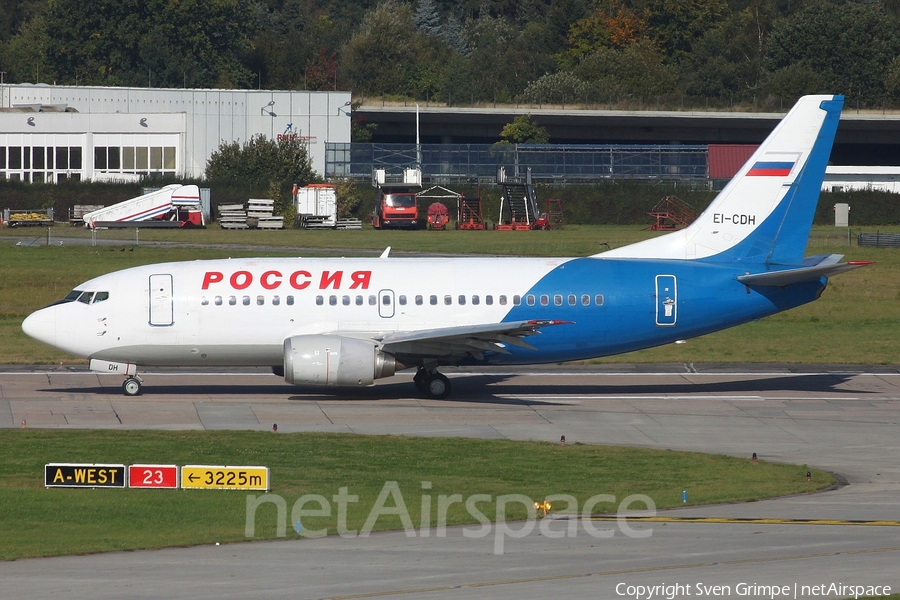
(86, 297)
(70, 297)
(100, 297)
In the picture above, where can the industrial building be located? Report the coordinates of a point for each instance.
(53, 133)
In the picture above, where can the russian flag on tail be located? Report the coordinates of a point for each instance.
(771, 169)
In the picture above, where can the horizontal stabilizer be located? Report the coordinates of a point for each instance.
(827, 266)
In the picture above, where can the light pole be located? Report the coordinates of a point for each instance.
(268, 110)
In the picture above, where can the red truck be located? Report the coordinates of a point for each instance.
(398, 206)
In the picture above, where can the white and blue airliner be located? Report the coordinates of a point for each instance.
(349, 321)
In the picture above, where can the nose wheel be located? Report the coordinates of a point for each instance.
(132, 386)
(432, 384)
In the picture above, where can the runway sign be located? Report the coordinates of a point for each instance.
(224, 478)
(153, 476)
(84, 475)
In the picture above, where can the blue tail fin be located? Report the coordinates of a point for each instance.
(765, 213)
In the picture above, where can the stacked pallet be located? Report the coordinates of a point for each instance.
(324, 222)
(232, 216)
(270, 222)
(260, 207)
(259, 210)
(314, 222)
(349, 224)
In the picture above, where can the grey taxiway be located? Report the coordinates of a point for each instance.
(840, 418)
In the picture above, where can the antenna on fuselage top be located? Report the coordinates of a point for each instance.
(386, 252)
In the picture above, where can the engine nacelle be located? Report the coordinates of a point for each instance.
(334, 360)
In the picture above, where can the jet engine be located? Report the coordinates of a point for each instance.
(334, 360)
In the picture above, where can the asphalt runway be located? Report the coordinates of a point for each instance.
(842, 419)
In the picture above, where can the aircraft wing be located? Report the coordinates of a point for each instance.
(816, 267)
(464, 340)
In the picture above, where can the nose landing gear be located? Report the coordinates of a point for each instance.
(132, 385)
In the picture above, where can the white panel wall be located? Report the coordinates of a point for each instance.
(209, 117)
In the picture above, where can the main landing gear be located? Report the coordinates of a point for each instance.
(132, 385)
(431, 383)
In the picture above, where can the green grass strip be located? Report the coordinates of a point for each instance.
(36, 521)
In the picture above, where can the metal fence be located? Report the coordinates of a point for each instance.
(473, 163)
(879, 240)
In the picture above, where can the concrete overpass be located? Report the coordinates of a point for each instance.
(863, 138)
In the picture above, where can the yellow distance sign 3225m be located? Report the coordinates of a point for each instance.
(207, 477)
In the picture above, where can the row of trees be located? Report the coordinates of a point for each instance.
(548, 51)
(634, 49)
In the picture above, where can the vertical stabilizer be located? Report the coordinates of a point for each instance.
(765, 213)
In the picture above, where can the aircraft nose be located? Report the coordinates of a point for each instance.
(41, 325)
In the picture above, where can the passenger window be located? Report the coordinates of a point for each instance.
(260, 300)
(503, 300)
(585, 300)
(475, 300)
(598, 299)
(246, 300)
(232, 300)
(545, 299)
(432, 300)
(488, 299)
(276, 300)
(101, 296)
(386, 299)
(345, 300)
(402, 300)
(572, 299)
(448, 300)
(529, 300)
(462, 300)
(86, 297)
(373, 300)
(332, 300)
(204, 301)
(557, 299)
(419, 300)
(359, 300)
(218, 300)
(289, 300)
(517, 300)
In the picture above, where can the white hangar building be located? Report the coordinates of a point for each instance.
(52, 133)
